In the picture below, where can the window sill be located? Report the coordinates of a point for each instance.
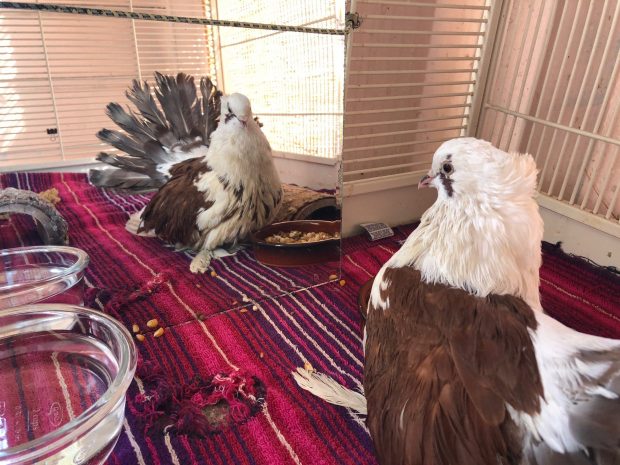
(79, 164)
(306, 158)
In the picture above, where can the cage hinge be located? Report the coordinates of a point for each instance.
(352, 21)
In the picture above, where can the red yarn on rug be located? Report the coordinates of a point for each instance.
(200, 407)
(115, 299)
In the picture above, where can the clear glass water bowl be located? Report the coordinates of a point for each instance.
(64, 372)
(42, 274)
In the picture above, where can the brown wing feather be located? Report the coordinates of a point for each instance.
(172, 212)
(440, 367)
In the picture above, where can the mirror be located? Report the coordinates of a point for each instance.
(89, 61)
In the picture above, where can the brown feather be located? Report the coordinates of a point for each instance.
(454, 361)
(172, 212)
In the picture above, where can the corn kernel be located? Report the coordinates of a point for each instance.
(135, 328)
(152, 323)
(333, 277)
(213, 274)
(159, 332)
(342, 282)
(140, 337)
(243, 310)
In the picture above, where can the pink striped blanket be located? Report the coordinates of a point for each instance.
(260, 320)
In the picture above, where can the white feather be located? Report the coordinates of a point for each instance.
(133, 224)
(330, 390)
(566, 380)
(486, 237)
(177, 156)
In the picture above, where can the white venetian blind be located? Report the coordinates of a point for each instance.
(412, 72)
(294, 80)
(59, 71)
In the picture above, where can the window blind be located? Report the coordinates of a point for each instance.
(411, 77)
(295, 81)
(58, 72)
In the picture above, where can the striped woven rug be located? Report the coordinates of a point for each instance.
(217, 324)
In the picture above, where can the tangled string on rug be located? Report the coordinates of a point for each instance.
(115, 299)
(199, 407)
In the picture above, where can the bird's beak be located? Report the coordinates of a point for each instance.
(426, 181)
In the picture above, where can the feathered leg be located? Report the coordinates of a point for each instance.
(201, 261)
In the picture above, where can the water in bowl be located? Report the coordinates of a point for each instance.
(49, 378)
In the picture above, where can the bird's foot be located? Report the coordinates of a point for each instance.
(201, 261)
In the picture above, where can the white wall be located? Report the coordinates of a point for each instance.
(580, 239)
(309, 172)
(394, 201)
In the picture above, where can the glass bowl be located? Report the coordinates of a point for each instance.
(64, 372)
(42, 274)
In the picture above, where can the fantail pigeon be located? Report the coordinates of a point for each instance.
(462, 367)
(219, 198)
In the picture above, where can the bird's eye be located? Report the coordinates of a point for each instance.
(447, 168)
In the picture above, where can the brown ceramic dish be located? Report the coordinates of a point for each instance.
(298, 254)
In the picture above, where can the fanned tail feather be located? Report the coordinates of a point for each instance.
(128, 122)
(116, 178)
(177, 97)
(123, 142)
(330, 390)
(210, 107)
(140, 95)
(171, 127)
(133, 164)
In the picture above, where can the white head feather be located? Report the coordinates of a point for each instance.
(483, 232)
(238, 135)
(237, 105)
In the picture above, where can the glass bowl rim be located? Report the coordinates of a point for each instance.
(80, 264)
(116, 391)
